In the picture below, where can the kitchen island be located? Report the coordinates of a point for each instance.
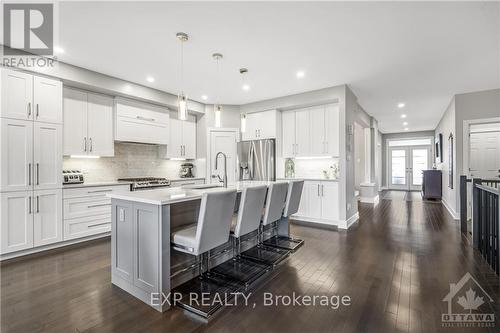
(142, 222)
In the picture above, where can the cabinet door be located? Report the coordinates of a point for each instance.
(332, 130)
(303, 209)
(251, 127)
(16, 95)
(318, 144)
(330, 201)
(189, 138)
(174, 148)
(288, 123)
(48, 101)
(302, 133)
(47, 223)
(75, 122)
(122, 240)
(16, 213)
(47, 143)
(16, 152)
(100, 125)
(267, 125)
(313, 199)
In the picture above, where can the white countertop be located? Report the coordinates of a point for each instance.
(95, 184)
(166, 196)
(185, 179)
(317, 179)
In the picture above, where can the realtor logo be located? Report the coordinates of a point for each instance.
(468, 305)
(28, 28)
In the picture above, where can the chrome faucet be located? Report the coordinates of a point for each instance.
(223, 180)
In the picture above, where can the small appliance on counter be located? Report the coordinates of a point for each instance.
(72, 177)
(186, 170)
(145, 183)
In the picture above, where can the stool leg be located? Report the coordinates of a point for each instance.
(208, 262)
(200, 264)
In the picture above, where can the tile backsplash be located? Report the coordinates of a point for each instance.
(309, 168)
(130, 160)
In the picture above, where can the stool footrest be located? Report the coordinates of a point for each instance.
(283, 242)
(267, 255)
(241, 270)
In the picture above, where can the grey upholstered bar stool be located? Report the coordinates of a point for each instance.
(212, 229)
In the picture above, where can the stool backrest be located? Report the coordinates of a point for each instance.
(250, 210)
(275, 202)
(214, 220)
(293, 197)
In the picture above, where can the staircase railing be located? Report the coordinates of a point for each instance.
(485, 222)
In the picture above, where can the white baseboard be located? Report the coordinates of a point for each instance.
(51, 246)
(384, 188)
(349, 222)
(375, 200)
(450, 210)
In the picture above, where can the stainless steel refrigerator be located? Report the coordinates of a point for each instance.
(257, 160)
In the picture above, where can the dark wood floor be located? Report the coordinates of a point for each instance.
(396, 265)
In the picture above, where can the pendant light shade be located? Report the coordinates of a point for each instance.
(243, 123)
(182, 100)
(217, 109)
(217, 106)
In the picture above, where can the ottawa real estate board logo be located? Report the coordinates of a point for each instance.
(468, 305)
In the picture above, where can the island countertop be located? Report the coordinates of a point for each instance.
(167, 196)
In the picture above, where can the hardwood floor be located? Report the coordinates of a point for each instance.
(396, 264)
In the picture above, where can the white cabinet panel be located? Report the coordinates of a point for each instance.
(47, 99)
(251, 127)
(302, 133)
(16, 95)
(47, 225)
(174, 148)
(332, 128)
(313, 199)
(261, 125)
(189, 138)
(122, 242)
(288, 124)
(182, 143)
(317, 123)
(75, 122)
(303, 209)
(47, 161)
(100, 125)
(16, 213)
(330, 200)
(16, 152)
(86, 226)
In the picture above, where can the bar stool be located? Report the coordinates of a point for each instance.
(245, 222)
(212, 229)
(293, 197)
(275, 202)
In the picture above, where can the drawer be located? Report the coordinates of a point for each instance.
(98, 191)
(86, 206)
(177, 183)
(86, 226)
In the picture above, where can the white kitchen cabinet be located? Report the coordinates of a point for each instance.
(88, 123)
(182, 139)
(141, 122)
(317, 128)
(47, 212)
(47, 156)
(16, 95)
(16, 152)
(47, 100)
(16, 213)
(288, 125)
(332, 130)
(296, 133)
(261, 125)
(319, 202)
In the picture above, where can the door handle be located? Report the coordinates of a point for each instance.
(38, 204)
(29, 173)
(37, 110)
(29, 109)
(38, 173)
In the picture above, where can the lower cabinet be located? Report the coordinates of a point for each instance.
(319, 202)
(30, 219)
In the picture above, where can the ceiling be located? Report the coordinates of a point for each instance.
(417, 53)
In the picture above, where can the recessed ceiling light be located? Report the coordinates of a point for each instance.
(405, 123)
(150, 79)
(300, 74)
(406, 128)
(403, 116)
(401, 105)
(246, 87)
(204, 97)
(58, 49)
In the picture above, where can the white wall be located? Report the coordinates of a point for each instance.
(359, 155)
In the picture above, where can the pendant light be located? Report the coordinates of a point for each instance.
(217, 107)
(182, 100)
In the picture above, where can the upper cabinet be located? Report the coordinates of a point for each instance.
(311, 132)
(141, 122)
(261, 125)
(28, 97)
(88, 123)
(182, 138)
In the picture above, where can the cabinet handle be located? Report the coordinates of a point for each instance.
(97, 225)
(98, 205)
(318, 190)
(38, 204)
(99, 191)
(29, 109)
(29, 206)
(38, 173)
(326, 144)
(322, 190)
(37, 110)
(90, 140)
(144, 118)
(29, 173)
(85, 144)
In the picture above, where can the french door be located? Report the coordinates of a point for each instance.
(406, 165)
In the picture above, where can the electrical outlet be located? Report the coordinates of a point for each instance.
(121, 214)
(348, 206)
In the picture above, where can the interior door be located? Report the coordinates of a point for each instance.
(398, 167)
(223, 141)
(419, 160)
(406, 165)
(484, 155)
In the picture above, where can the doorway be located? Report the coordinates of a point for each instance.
(406, 165)
(222, 140)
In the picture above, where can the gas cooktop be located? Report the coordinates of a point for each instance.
(141, 183)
